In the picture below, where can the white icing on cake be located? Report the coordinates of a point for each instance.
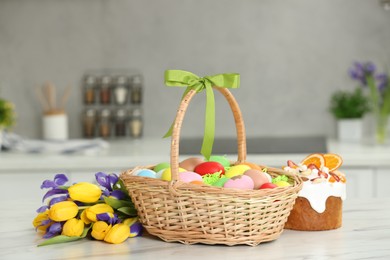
(318, 193)
(318, 188)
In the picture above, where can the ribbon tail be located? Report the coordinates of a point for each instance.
(170, 130)
(209, 128)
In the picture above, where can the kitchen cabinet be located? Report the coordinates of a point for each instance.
(382, 180)
(360, 182)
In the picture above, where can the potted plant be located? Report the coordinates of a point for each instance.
(348, 108)
(7, 117)
(378, 86)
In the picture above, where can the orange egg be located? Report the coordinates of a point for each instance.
(197, 182)
(253, 166)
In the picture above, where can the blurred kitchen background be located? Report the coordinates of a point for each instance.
(291, 55)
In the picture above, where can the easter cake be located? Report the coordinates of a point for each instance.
(319, 203)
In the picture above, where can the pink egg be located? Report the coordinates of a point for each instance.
(258, 177)
(240, 182)
(189, 176)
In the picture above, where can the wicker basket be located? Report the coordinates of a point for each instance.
(189, 213)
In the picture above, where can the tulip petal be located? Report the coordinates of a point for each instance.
(63, 239)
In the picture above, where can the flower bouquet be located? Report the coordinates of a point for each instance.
(379, 93)
(104, 212)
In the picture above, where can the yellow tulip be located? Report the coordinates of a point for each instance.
(117, 234)
(63, 210)
(91, 212)
(100, 229)
(38, 221)
(84, 218)
(73, 227)
(85, 192)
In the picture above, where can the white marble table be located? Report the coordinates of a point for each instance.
(365, 234)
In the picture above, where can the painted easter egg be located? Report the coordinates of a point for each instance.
(252, 165)
(282, 184)
(209, 168)
(242, 182)
(190, 163)
(258, 177)
(236, 170)
(189, 177)
(268, 185)
(146, 173)
(167, 175)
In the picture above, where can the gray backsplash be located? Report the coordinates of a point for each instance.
(291, 56)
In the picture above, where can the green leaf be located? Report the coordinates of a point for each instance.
(116, 204)
(63, 239)
(130, 211)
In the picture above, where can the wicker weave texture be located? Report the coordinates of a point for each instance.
(189, 213)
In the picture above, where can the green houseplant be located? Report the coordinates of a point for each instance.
(7, 115)
(349, 104)
(348, 108)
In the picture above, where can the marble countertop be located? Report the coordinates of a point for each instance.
(365, 234)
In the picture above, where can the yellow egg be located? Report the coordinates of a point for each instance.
(236, 170)
(282, 184)
(167, 176)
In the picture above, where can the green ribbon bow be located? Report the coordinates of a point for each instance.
(181, 78)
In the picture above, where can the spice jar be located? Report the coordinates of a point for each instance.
(136, 123)
(89, 123)
(120, 122)
(121, 90)
(105, 90)
(89, 86)
(136, 89)
(105, 123)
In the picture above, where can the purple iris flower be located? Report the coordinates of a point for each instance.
(108, 219)
(360, 71)
(42, 209)
(118, 194)
(57, 199)
(106, 180)
(136, 229)
(59, 180)
(383, 80)
(53, 230)
(54, 192)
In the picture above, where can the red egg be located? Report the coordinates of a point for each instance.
(209, 168)
(268, 185)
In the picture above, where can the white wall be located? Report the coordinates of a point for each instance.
(291, 55)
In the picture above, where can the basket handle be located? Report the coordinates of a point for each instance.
(240, 129)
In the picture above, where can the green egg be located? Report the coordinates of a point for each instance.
(220, 182)
(161, 166)
(221, 159)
